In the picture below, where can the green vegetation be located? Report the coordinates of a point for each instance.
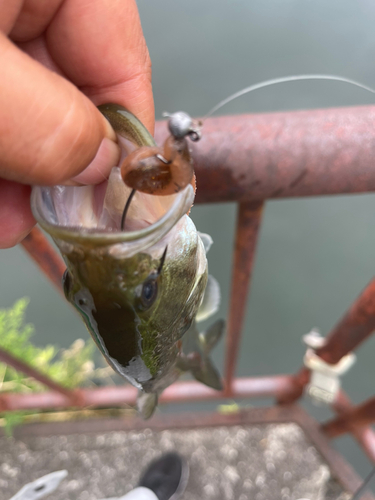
(71, 367)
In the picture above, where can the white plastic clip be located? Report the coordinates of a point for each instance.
(41, 487)
(324, 383)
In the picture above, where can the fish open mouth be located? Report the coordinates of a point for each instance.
(91, 215)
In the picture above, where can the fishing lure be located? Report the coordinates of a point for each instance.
(167, 170)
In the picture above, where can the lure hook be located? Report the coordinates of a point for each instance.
(126, 208)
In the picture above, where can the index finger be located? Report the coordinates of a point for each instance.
(98, 45)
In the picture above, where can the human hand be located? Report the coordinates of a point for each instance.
(59, 59)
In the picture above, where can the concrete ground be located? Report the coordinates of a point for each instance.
(262, 462)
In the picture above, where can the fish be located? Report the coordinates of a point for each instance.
(140, 287)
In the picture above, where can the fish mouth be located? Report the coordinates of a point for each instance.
(91, 215)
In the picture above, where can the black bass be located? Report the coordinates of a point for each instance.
(138, 290)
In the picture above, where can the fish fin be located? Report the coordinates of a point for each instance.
(182, 363)
(210, 337)
(206, 240)
(208, 374)
(211, 300)
(147, 403)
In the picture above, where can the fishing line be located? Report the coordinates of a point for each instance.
(126, 208)
(285, 79)
(362, 488)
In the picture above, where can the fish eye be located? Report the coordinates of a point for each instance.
(149, 292)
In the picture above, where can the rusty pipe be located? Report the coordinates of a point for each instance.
(248, 225)
(355, 326)
(257, 387)
(362, 433)
(352, 418)
(278, 155)
(28, 370)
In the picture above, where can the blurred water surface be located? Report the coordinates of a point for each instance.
(314, 255)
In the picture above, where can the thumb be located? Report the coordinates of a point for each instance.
(49, 130)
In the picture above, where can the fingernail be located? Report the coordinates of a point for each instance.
(108, 156)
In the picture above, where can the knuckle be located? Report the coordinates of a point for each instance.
(70, 146)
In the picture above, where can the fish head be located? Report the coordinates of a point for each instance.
(138, 290)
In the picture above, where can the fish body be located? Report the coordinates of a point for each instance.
(112, 293)
(138, 290)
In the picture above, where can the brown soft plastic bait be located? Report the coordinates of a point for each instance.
(167, 170)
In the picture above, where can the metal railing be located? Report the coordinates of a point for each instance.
(249, 159)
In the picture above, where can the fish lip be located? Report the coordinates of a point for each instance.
(81, 235)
